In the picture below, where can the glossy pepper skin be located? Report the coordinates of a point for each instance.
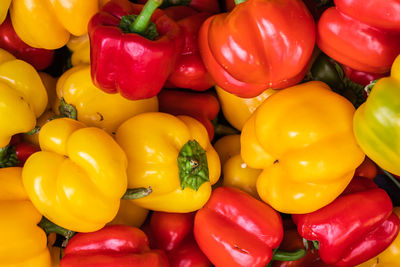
(256, 47)
(48, 24)
(130, 214)
(173, 233)
(375, 125)
(235, 229)
(390, 256)
(95, 107)
(363, 35)
(235, 172)
(113, 245)
(9, 40)
(23, 97)
(80, 49)
(204, 106)
(353, 228)
(155, 144)
(117, 58)
(236, 109)
(189, 72)
(4, 5)
(302, 138)
(23, 243)
(78, 178)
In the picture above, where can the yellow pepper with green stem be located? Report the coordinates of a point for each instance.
(302, 138)
(173, 156)
(95, 107)
(22, 242)
(78, 178)
(23, 97)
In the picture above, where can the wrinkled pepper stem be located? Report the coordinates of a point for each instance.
(67, 110)
(141, 23)
(50, 227)
(237, 2)
(193, 166)
(8, 157)
(136, 193)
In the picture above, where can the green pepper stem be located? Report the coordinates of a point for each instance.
(50, 227)
(143, 19)
(237, 2)
(67, 110)
(136, 193)
(288, 256)
(8, 157)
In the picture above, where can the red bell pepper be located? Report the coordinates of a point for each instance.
(122, 59)
(9, 40)
(367, 169)
(113, 245)
(202, 106)
(210, 6)
(362, 77)
(16, 152)
(235, 229)
(361, 34)
(189, 71)
(352, 229)
(256, 46)
(173, 233)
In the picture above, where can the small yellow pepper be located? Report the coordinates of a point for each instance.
(237, 110)
(78, 178)
(173, 156)
(4, 5)
(95, 107)
(235, 172)
(130, 214)
(23, 97)
(48, 24)
(80, 49)
(302, 137)
(390, 257)
(23, 243)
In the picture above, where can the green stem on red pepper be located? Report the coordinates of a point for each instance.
(193, 166)
(141, 23)
(237, 2)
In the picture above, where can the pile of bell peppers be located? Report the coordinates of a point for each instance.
(200, 133)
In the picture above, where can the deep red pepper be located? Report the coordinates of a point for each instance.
(16, 152)
(367, 169)
(9, 40)
(256, 46)
(189, 71)
(353, 228)
(113, 245)
(235, 229)
(362, 77)
(202, 106)
(361, 34)
(173, 233)
(129, 63)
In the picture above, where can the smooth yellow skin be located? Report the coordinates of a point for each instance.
(49, 83)
(390, 257)
(303, 140)
(23, 243)
(78, 178)
(130, 214)
(235, 172)
(80, 48)
(4, 5)
(48, 24)
(42, 120)
(152, 142)
(23, 97)
(237, 110)
(95, 107)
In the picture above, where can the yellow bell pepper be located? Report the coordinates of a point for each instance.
(49, 83)
(23, 243)
(303, 140)
(173, 156)
(80, 49)
(48, 24)
(390, 257)
(95, 107)
(235, 172)
(237, 110)
(23, 97)
(130, 214)
(78, 178)
(4, 5)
